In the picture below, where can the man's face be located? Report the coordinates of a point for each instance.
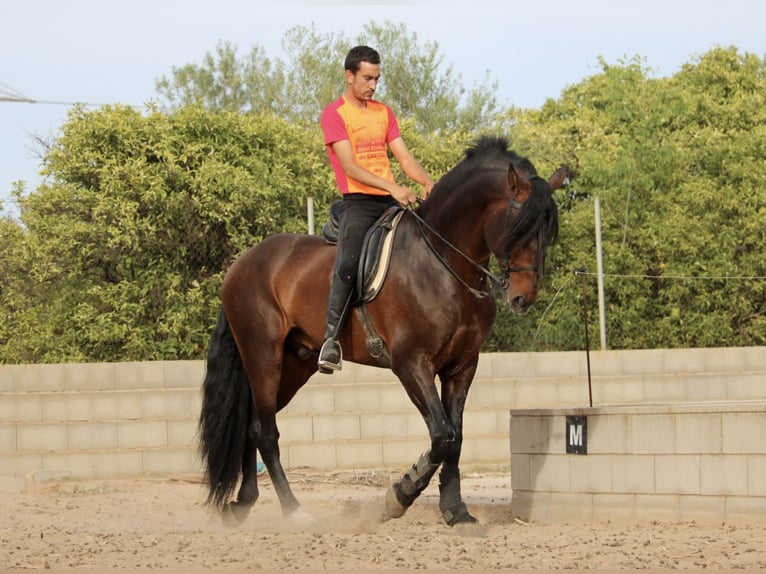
(364, 82)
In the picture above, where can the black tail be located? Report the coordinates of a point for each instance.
(226, 414)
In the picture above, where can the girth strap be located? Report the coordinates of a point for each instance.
(375, 346)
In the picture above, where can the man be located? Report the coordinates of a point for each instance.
(357, 130)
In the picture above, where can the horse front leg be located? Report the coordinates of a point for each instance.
(402, 494)
(453, 508)
(419, 385)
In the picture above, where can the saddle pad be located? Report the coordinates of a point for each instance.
(376, 254)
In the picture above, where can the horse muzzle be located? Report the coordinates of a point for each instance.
(519, 304)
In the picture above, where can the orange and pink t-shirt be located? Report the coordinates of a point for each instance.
(368, 130)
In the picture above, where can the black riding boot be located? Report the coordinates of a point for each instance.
(330, 355)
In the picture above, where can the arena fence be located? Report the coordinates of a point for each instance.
(704, 462)
(140, 419)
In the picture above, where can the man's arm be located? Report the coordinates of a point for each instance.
(345, 154)
(410, 165)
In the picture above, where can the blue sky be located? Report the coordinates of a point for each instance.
(102, 51)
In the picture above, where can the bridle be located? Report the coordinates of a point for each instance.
(498, 283)
(508, 269)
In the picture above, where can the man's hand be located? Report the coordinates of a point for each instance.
(403, 195)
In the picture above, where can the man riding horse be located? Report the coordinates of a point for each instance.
(356, 131)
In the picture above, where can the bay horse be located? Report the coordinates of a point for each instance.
(433, 313)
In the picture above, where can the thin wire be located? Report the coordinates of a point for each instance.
(684, 277)
(50, 102)
(9, 94)
(618, 276)
(542, 317)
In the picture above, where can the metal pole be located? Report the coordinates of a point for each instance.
(600, 272)
(581, 272)
(310, 208)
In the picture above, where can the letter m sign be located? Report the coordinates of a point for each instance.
(577, 435)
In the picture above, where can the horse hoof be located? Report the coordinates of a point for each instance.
(300, 518)
(470, 528)
(233, 514)
(392, 508)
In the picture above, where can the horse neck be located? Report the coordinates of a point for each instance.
(460, 220)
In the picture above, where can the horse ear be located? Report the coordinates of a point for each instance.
(513, 177)
(559, 178)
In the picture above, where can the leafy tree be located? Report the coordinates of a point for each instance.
(415, 80)
(676, 164)
(142, 215)
(15, 283)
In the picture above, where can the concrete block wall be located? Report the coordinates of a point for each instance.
(133, 419)
(704, 462)
(98, 420)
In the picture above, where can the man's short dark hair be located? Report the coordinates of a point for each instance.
(361, 54)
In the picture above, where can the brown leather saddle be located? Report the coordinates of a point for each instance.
(377, 249)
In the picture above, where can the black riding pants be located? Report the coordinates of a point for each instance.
(358, 213)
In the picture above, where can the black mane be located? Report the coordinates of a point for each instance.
(490, 157)
(537, 219)
(487, 152)
(490, 147)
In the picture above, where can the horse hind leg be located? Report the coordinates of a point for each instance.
(238, 510)
(269, 447)
(295, 371)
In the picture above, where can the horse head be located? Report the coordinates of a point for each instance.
(494, 203)
(524, 228)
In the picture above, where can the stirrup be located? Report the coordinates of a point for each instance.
(327, 366)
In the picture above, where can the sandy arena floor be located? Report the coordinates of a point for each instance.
(164, 523)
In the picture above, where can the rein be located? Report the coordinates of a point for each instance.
(498, 283)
